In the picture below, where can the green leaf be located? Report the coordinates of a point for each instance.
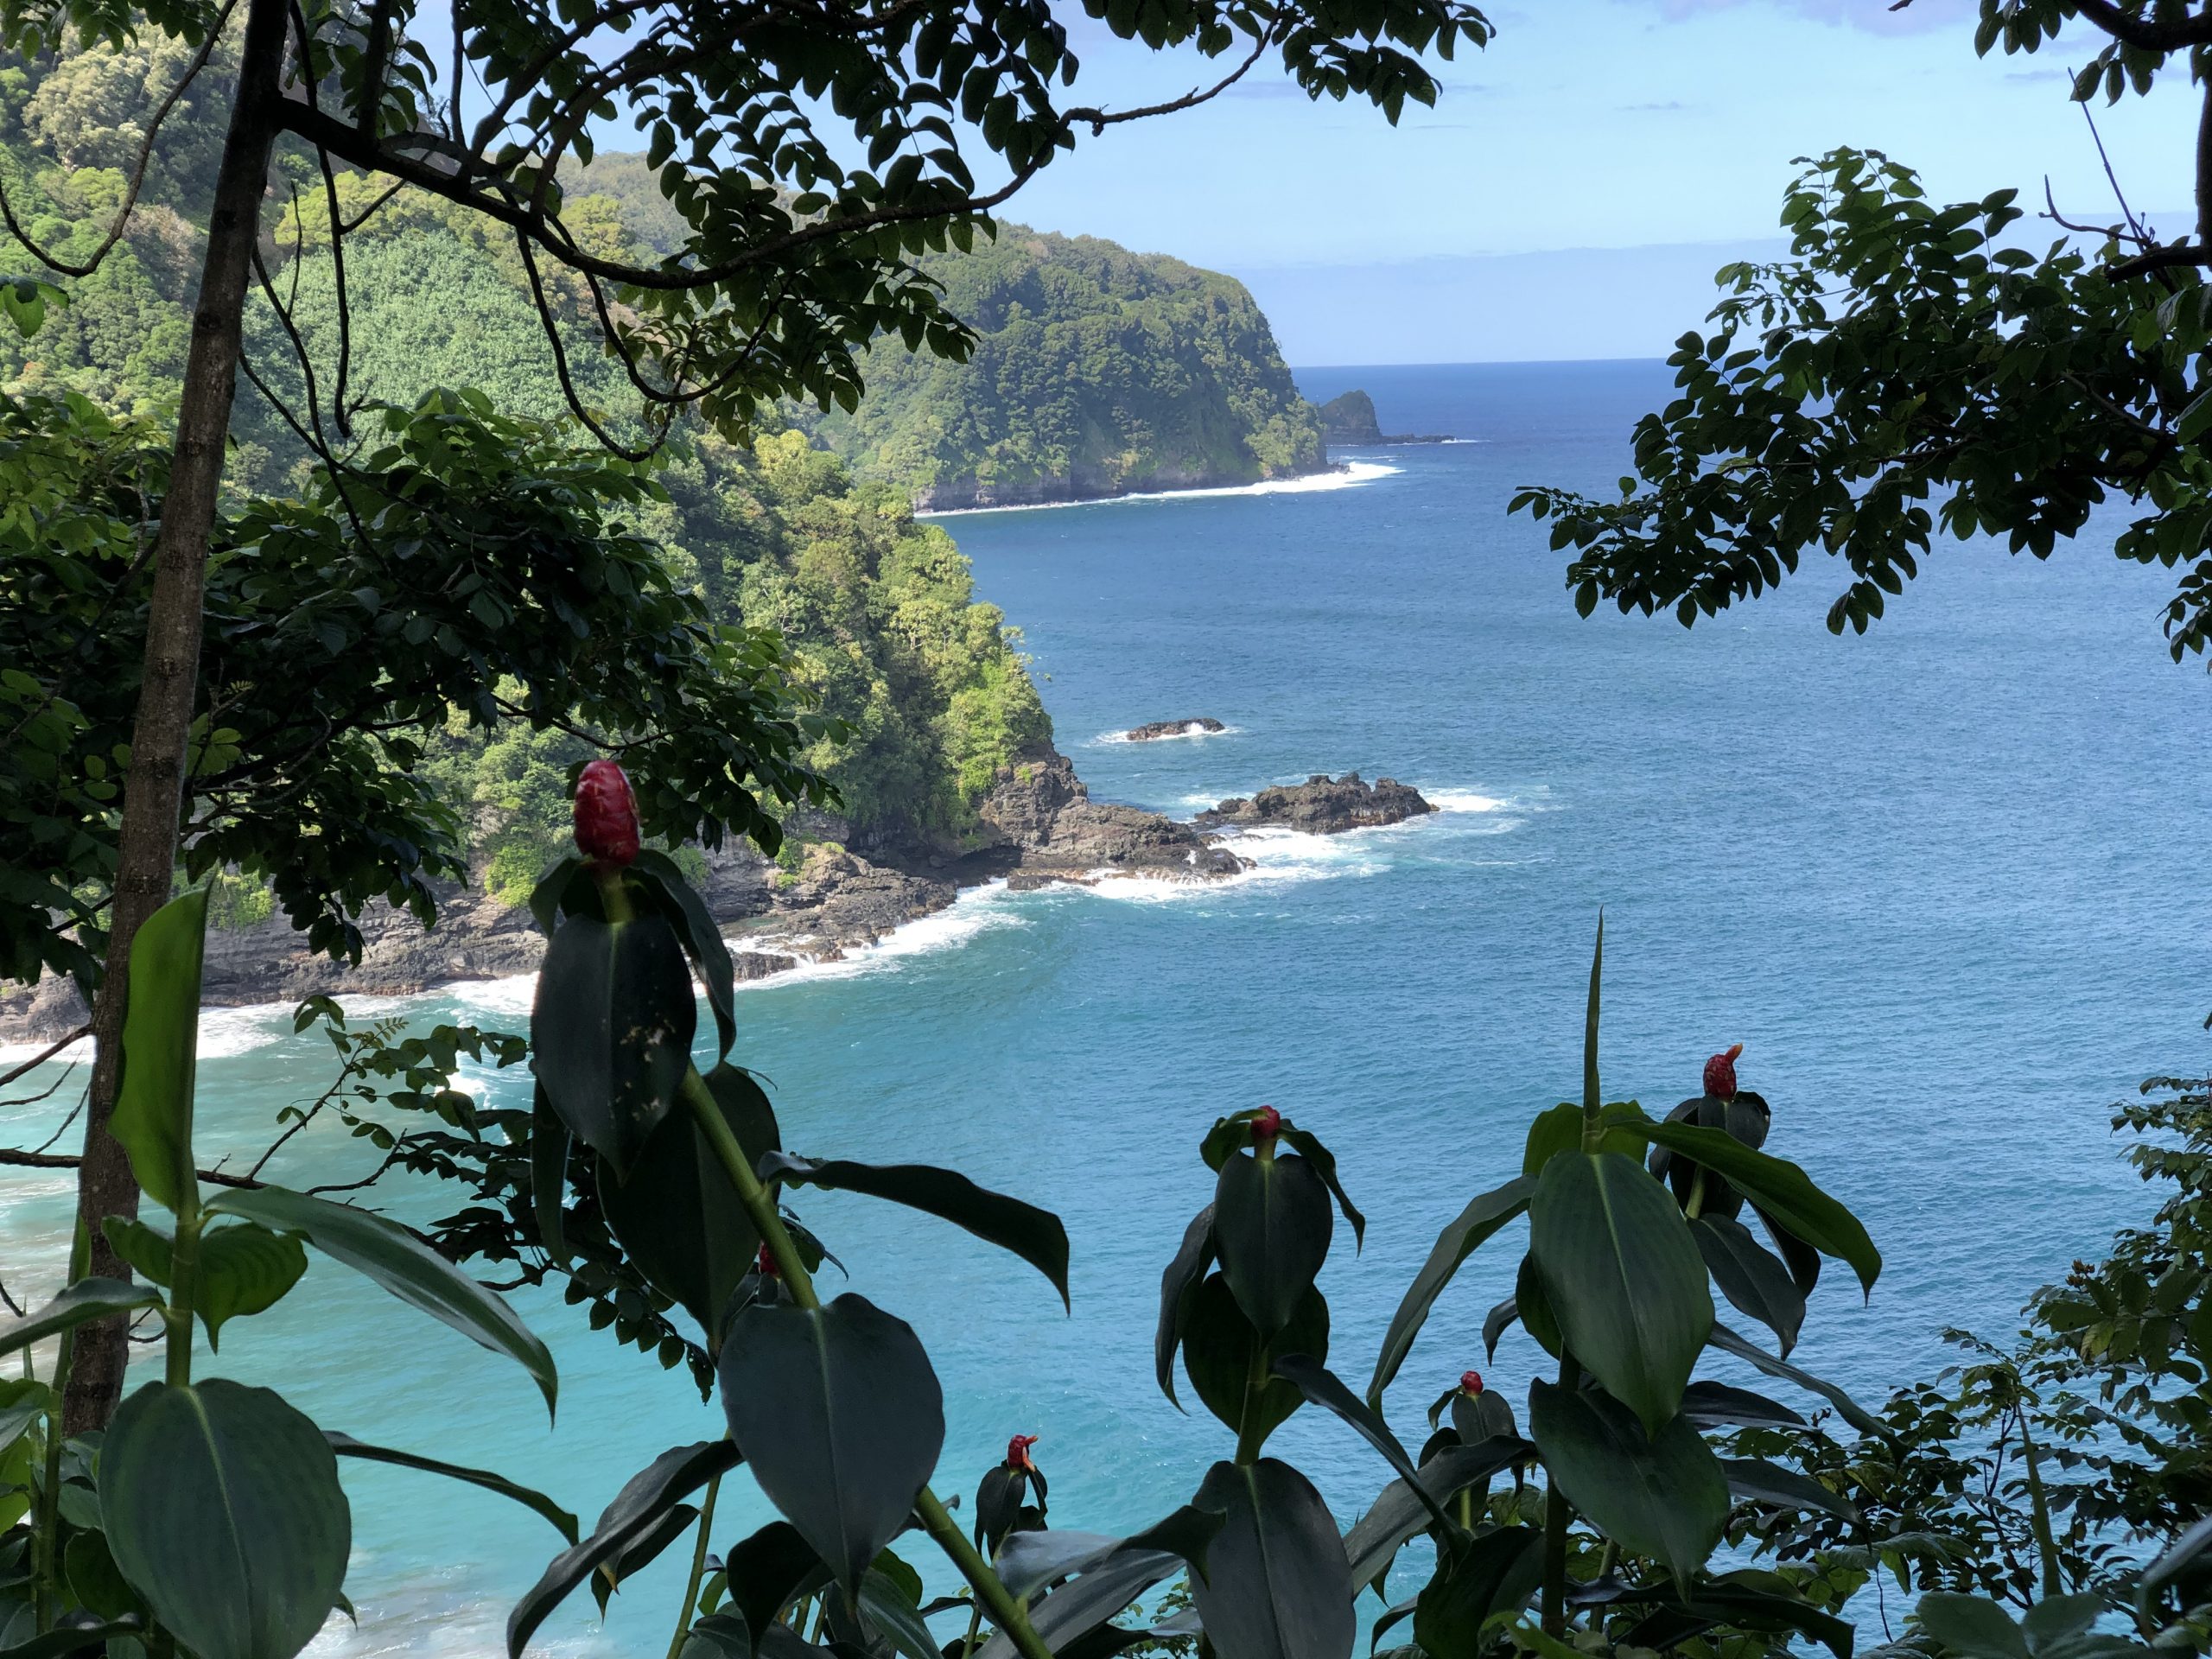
(161, 1046)
(562, 1522)
(889, 1611)
(88, 1298)
(552, 888)
(839, 1414)
(678, 1215)
(222, 1507)
(1272, 1222)
(1780, 1189)
(242, 1269)
(1592, 1095)
(1308, 1146)
(1852, 1412)
(1493, 1573)
(1109, 1574)
(701, 939)
(1277, 1585)
(1399, 1512)
(610, 1029)
(1757, 1481)
(1973, 1626)
(1458, 1241)
(1715, 1405)
(1179, 1288)
(645, 1500)
(770, 1570)
(1223, 1355)
(393, 1257)
(75, 1639)
(549, 1175)
(1319, 1385)
(1749, 1276)
(1036, 1236)
(1664, 1496)
(1622, 1277)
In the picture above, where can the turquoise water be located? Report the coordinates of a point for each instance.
(1939, 880)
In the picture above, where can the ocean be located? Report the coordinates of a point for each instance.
(1939, 880)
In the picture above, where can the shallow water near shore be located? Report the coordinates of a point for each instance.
(1939, 880)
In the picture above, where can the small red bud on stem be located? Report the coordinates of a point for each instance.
(1267, 1125)
(1470, 1382)
(1017, 1452)
(605, 815)
(765, 1264)
(1720, 1074)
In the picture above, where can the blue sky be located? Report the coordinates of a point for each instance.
(1582, 177)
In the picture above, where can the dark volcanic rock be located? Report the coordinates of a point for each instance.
(1323, 805)
(1349, 418)
(1159, 728)
(1043, 812)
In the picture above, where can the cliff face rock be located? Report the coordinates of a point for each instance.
(1350, 419)
(1043, 812)
(1323, 805)
(1152, 731)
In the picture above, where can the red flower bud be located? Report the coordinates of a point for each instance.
(607, 813)
(1720, 1073)
(1017, 1452)
(1470, 1382)
(765, 1264)
(1267, 1125)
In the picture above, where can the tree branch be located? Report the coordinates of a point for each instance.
(63, 1160)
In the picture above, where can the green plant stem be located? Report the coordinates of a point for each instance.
(1555, 1519)
(698, 1569)
(1250, 1437)
(2039, 1511)
(1695, 1206)
(48, 1524)
(184, 1271)
(761, 1206)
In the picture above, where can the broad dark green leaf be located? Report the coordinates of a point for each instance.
(388, 1254)
(1715, 1405)
(1277, 1585)
(770, 1570)
(23, 1402)
(1973, 1626)
(1622, 1277)
(161, 1048)
(1850, 1411)
(1497, 1322)
(74, 1639)
(1272, 1222)
(895, 1615)
(1308, 1146)
(651, 1494)
(1534, 1308)
(1721, 1601)
(1105, 1586)
(222, 1509)
(678, 1215)
(1473, 1579)
(551, 889)
(1110, 1573)
(1749, 1276)
(1227, 1362)
(1320, 1385)
(563, 1522)
(1484, 1416)
(1398, 1513)
(839, 1414)
(1036, 1236)
(1745, 1115)
(1466, 1232)
(1663, 1496)
(1178, 1287)
(1781, 1189)
(1757, 1481)
(610, 1029)
(88, 1298)
(549, 1174)
(701, 939)
(243, 1269)
(639, 1552)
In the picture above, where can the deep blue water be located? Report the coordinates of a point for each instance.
(1939, 880)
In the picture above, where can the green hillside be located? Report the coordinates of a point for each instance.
(1099, 371)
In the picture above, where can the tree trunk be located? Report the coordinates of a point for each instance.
(153, 786)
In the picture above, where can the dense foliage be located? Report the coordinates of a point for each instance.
(1912, 371)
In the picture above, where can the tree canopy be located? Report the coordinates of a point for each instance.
(1914, 370)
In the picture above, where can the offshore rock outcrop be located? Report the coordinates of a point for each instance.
(1323, 805)
(1043, 814)
(1152, 730)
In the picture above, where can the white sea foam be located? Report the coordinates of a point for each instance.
(1191, 729)
(977, 909)
(1466, 800)
(1345, 477)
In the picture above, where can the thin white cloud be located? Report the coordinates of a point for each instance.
(1877, 16)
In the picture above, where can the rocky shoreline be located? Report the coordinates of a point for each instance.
(1039, 827)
